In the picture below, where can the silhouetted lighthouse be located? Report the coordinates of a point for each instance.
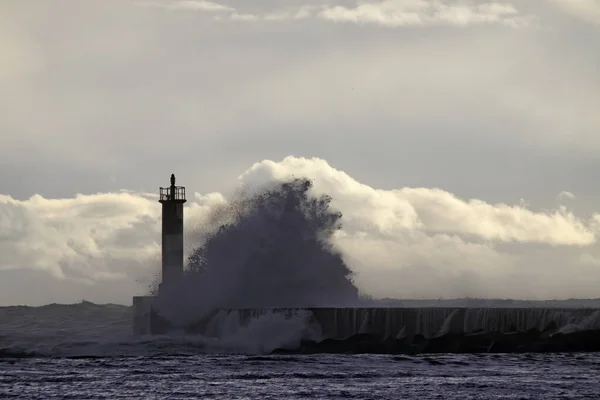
(172, 199)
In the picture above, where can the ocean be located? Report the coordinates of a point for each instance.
(87, 351)
(226, 376)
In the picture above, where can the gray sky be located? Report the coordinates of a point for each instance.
(496, 101)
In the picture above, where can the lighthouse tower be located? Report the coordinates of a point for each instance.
(172, 199)
(145, 318)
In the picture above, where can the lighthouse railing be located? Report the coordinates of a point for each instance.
(172, 193)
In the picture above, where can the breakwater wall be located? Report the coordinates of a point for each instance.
(432, 322)
(341, 323)
(432, 330)
(387, 322)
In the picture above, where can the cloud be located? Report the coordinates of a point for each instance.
(565, 195)
(398, 13)
(429, 210)
(243, 17)
(390, 13)
(192, 5)
(301, 12)
(407, 242)
(78, 238)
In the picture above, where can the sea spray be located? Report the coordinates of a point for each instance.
(264, 332)
(272, 249)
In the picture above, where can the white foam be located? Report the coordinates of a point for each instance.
(578, 324)
(266, 332)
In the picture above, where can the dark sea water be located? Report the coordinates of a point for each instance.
(88, 351)
(304, 377)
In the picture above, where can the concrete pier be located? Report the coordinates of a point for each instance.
(341, 323)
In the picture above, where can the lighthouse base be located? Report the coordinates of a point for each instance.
(146, 321)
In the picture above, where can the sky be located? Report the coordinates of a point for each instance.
(458, 138)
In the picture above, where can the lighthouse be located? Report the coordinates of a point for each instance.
(145, 319)
(172, 199)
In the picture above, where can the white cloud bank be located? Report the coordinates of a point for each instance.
(389, 13)
(409, 242)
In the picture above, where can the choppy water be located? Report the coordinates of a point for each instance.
(304, 377)
(87, 351)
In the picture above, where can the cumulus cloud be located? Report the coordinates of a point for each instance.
(86, 237)
(428, 210)
(407, 242)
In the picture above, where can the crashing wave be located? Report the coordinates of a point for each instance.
(273, 248)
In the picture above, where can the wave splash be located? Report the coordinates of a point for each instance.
(90, 330)
(271, 248)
